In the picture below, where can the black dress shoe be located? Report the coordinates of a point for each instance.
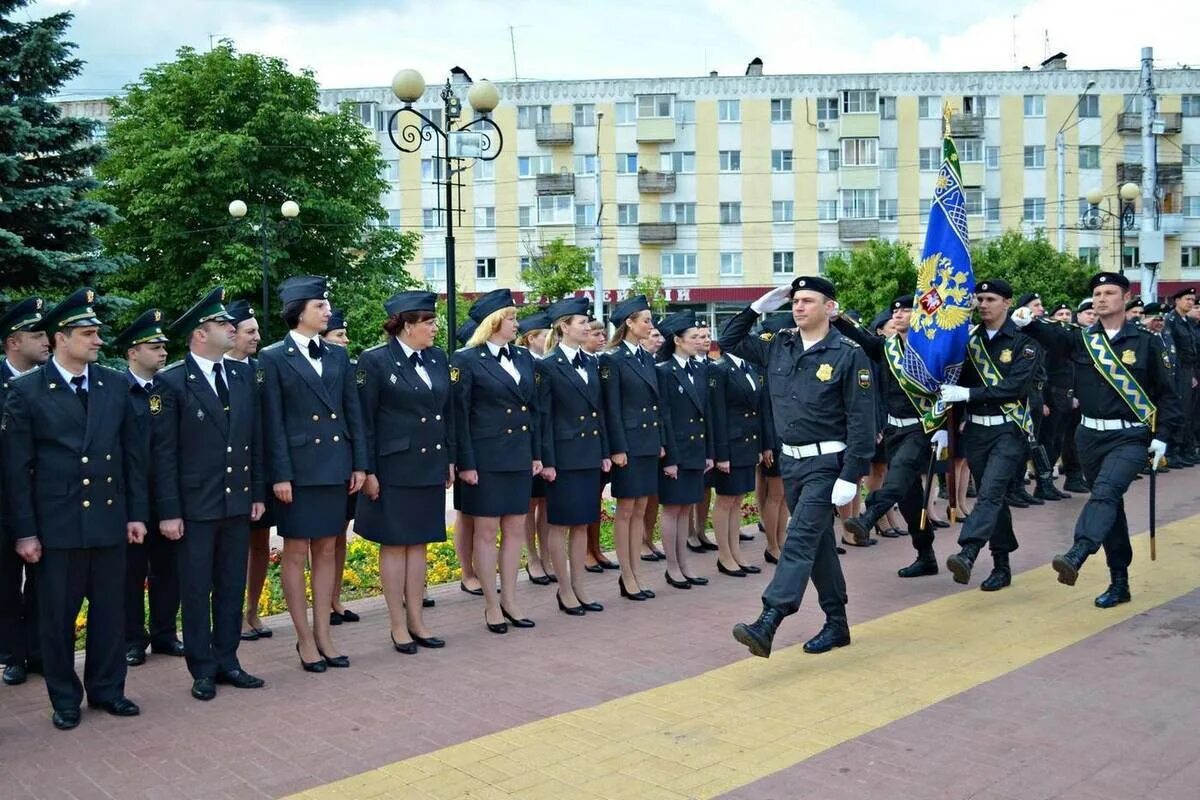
(606, 564)
(262, 633)
(939, 523)
(135, 656)
(683, 584)
(338, 662)
(733, 573)
(596, 568)
(571, 611)
(1014, 501)
(696, 581)
(696, 548)
(1075, 485)
(350, 616)
(15, 675)
(650, 595)
(747, 537)
(540, 580)
(516, 622)
(1069, 563)
(121, 707)
(888, 533)
(659, 554)
(925, 564)
(311, 666)
(240, 679)
(335, 618)
(250, 635)
(428, 602)
(175, 648)
(649, 557)
(477, 592)
(65, 719)
(628, 595)
(750, 569)
(709, 546)
(204, 689)
(408, 648)
(961, 563)
(593, 607)
(1117, 591)
(498, 627)
(770, 559)
(832, 635)
(997, 579)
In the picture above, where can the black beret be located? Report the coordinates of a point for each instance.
(1152, 310)
(814, 283)
(880, 320)
(1134, 303)
(1084, 305)
(401, 302)
(487, 304)
(903, 301)
(627, 308)
(568, 307)
(146, 329)
(1060, 307)
(21, 315)
(997, 286)
(239, 311)
(1027, 298)
(1183, 292)
(210, 308)
(1108, 279)
(303, 287)
(75, 311)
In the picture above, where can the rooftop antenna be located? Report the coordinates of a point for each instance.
(1014, 40)
(512, 40)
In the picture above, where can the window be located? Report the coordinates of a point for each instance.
(1089, 106)
(1133, 104)
(860, 152)
(991, 155)
(626, 113)
(679, 213)
(923, 207)
(585, 164)
(887, 108)
(1089, 156)
(525, 216)
(731, 160)
(685, 111)
(1034, 209)
(435, 269)
(828, 160)
(783, 262)
(929, 107)
(970, 151)
(1132, 153)
(680, 162)
(556, 210)
(627, 163)
(1035, 105)
(627, 214)
(485, 171)
(782, 210)
(729, 111)
(394, 218)
(781, 110)
(825, 256)
(860, 101)
(655, 105)
(678, 264)
(1189, 256)
(431, 170)
(532, 116)
(532, 166)
(929, 159)
(1131, 257)
(1189, 104)
(390, 171)
(888, 210)
(524, 263)
(1191, 156)
(585, 115)
(973, 202)
(431, 218)
(585, 215)
(731, 265)
(627, 265)
(1035, 154)
(731, 213)
(887, 158)
(485, 268)
(485, 216)
(1090, 256)
(992, 209)
(1191, 206)
(827, 108)
(827, 210)
(781, 161)
(860, 203)
(977, 106)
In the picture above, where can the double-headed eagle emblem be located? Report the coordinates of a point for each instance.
(942, 299)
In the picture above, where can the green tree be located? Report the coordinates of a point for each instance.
(873, 275)
(367, 277)
(558, 270)
(195, 133)
(47, 222)
(652, 287)
(1032, 265)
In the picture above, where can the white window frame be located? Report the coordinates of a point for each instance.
(730, 212)
(973, 202)
(585, 163)
(685, 112)
(1191, 206)
(655, 106)
(887, 158)
(585, 215)
(531, 115)
(860, 101)
(731, 264)
(628, 265)
(486, 264)
(485, 217)
(887, 107)
(627, 163)
(729, 111)
(991, 209)
(434, 268)
(677, 264)
(781, 109)
(858, 204)
(627, 213)
(431, 219)
(783, 211)
(584, 115)
(730, 160)
(929, 159)
(556, 209)
(1093, 151)
(828, 108)
(1035, 154)
(782, 160)
(1089, 107)
(970, 151)
(783, 262)
(1034, 106)
(625, 112)
(484, 171)
(1033, 209)
(827, 211)
(679, 213)
(681, 162)
(524, 216)
(889, 209)
(929, 106)
(860, 152)
(991, 157)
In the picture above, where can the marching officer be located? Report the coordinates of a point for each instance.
(1018, 496)
(1123, 382)
(25, 348)
(823, 398)
(1188, 355)
(151, 568)
(1060, 395)
(207, 458)
(76, 477)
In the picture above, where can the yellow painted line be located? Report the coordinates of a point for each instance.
(707, 735)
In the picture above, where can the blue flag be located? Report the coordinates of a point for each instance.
(937, 338)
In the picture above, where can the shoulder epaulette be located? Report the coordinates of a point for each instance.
(850, 342)
(379, 346)
(274, 346)
(171, 366)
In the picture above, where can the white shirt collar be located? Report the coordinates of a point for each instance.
(680, 360)
(245, 360)
(633, 348)
(494, 348)
(142, 382)
(303, 340)
(568, 351)
(16, 373)
(67, 376)
(408, 351)
(205, 365)
(737, 361)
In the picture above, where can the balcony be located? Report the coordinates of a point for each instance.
(555, 133)
(556, 183)
(656, 182)
(1167, 173)
(858, 230)
(656, 232)
(966, 126)
(1171, 224)
(1131, 122)
(656, 129)
(972, 173)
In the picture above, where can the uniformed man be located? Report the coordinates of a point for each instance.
(1134, 309)
(76, 477)
(1123, 383)
(150, 567)
(823, 402)
(1185, 373)
(1084, 317)
(1018, 496)
(20, 651)
(207, 455)
(1000, 367)
(1060, 397)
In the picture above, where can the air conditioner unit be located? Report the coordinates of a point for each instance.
(822, 125)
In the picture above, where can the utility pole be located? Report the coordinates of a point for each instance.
(597, 265)
(1150, 238)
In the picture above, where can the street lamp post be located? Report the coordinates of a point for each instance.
(453, 143)
(289, 210)
(1123, 221)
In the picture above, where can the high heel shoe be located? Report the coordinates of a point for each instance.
(770, 559)
(696, 548)
(628, 595)
(341, 662)
(749, 569)
(595, 568)
(432, 642)
(683, 584)
(523, 622)
(724, 570)
(408, 648)
(696, 581)
(573, 611)
(311, 666)
(477, 592)
(541, 580)
(501, 627)
(590, 606)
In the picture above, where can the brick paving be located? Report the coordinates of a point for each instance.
(1003, 740)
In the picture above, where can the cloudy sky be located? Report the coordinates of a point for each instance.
(363, 42)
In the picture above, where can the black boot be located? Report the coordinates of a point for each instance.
(1046, 490)
(860, 527)
(1069, 563)
(960, 563)
(1014, 500)
(1117, 591)
(1001, 575)
(834, 633)
(926, 564)
(1027, 498)
(1075, 484)
(759, 634)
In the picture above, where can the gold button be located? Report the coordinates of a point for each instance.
(229, 469)
(316, 418)
(83, 460)
(87, 503)
(317, 440)
(87, 482)
(336, 438)
(333, 416)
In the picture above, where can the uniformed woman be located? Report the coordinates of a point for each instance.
(495, 422)
(596, 560)
(688, 416)
(698, 516)
(336, 334)
(635, 432)
(316, 454)
(404, 385)
(574, 446)
(652, 344)
(773, 506)
(464, 524)
(531, 334)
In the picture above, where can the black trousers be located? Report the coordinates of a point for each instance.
(212, 578)
(151, 570)
(19, 628)
(1054, 427)
(1111, 461)
(1070, 453)
(809, 551)
(908, 453)
(1036, 401)
(993, 455)
(1185, 438)
(66, 578)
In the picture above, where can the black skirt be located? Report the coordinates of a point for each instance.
(314, 513)
(881, 455)
(638, 478)
(539, 487)
(773, 470)
(498, 494)
(573, 497)
(685, 490)
(403, 515)
(738, 481)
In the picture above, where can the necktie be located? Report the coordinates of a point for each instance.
(689, 368)
(641, 356)
(80, 392)
(315, 349)
(577, 361)
(222, 387)
(148, 388)
(503, 354)
(746, 368)
(417, 360)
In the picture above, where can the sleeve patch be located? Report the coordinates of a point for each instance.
(604, 373)
(767, 336)
(864, 379)
(1029, 352)
(455, 375)
(259, 376)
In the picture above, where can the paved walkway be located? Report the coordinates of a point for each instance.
(947, 692)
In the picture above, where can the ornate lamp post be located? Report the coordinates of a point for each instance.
(289, 210)
(1122, 221)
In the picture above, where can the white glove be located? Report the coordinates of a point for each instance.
(1158, 449)
(771, 300)
(954, 394)
(843, 492)
(940, 439)
(1022, 316)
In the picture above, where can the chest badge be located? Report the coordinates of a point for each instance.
(1006, 356)
(825, 372)
(1128, 357)
(455, 375)
(200, 413)
(392, 378)
(155, 404)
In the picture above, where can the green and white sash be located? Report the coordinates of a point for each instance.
(990, 373)
(1119, 377)
(924, 404)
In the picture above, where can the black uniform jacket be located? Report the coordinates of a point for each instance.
(571, 413)
(631, 402)
(744, 410)
(495, 418)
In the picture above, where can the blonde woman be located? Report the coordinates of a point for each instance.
(531, 334)
(594, 345)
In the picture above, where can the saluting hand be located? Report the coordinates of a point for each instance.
(1022, 316)
(283, 492)
(257, 510)
(30, 549)
(772, 299)
(135, 532)
(173, 528)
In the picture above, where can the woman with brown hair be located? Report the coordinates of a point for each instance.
(532, 333)
(596, 560)
(652, 344)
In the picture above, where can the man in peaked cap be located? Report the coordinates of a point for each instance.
(20, 651)
(151, 567)
(1188, 357)
(74, 464)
